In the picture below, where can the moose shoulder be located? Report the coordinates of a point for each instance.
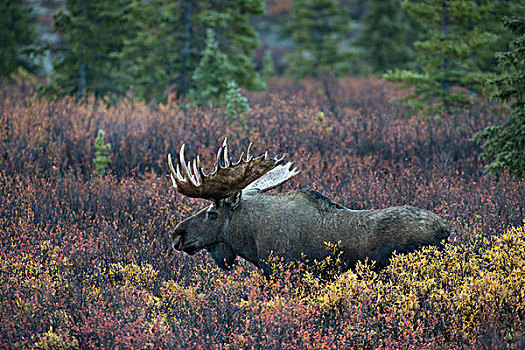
(244, 221)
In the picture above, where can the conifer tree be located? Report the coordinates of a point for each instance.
(16, 34)
(447, 54)
(236, 103)
(150, 59)
(493, 22)
(504, 145)
(170, 39)
(236, 37)
(214, 85)
(94, 33)
(267, 65)
(212, 75)
(318, 29)
(387, 35)
(102, 159)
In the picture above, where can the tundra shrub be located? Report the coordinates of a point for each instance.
(87, 261)
(101, 151)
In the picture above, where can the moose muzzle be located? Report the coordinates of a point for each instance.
(177, 243)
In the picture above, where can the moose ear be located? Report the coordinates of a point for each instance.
(234, 200)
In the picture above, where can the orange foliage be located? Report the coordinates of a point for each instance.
(85, 262)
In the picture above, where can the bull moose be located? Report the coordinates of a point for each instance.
(243, 220)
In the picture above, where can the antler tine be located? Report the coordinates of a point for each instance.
(199, 169)
(238, 160)
(175, 174)
(186, 167)
(294, 169)
(182, 161)
(219, 157)
(170, 165)
(225, 154)
(179, 175)
(172, 171)
(196, 172)
(248, 156)
(193, 178)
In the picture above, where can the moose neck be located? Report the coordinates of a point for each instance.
(244, 226)
(273, 224)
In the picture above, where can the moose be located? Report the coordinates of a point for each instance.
(243, 220)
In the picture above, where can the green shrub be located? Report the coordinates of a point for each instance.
(102, 149)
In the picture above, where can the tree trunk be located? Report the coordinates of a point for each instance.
(187, 8)
(445, 84)
(82, 69)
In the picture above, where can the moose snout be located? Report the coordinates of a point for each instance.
(177, 242)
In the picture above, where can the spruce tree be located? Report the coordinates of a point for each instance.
(267, 65)
(387, 36)
(493, 22)
(504, 145)
(16, 34)
(318, 29)
(214, 85)
(230, 21)
(236, 104)
(94, 32)
(150, 60)
(447, 56)
(170, 39)
(214, 82)
(212, 75)
(102, 159)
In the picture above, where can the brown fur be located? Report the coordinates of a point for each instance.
(296, 225)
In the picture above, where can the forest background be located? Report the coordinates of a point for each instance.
(380, 103)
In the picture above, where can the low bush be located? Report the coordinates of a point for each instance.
(86, 262)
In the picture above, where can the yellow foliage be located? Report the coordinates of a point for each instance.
(52, 341)
(138, 276)
(178, 299)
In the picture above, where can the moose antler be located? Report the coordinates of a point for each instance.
(228, 178)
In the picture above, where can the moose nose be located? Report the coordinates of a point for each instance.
(177, 235)
(177, 242)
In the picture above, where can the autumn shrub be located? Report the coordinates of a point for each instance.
(41, 135)
(86, 261)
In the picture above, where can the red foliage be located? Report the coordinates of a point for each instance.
(63, 232)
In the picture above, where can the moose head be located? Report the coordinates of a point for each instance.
(226, 186)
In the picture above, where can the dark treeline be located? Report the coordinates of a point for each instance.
(152, 48)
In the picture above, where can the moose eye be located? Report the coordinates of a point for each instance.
(212, 215)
